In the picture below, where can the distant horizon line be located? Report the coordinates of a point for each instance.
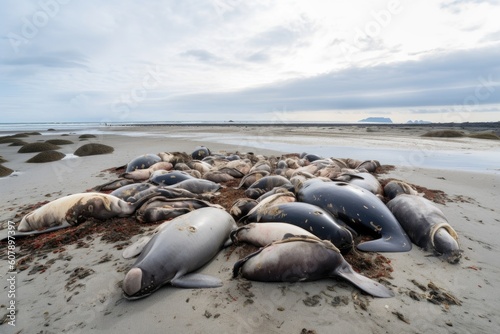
(77, 124)
(410, 122)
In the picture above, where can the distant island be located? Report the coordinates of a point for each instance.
(387, 120)
(376, 120)
(418, 122)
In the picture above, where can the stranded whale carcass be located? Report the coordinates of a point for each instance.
(426, 225)
(358, 208)
(184, 245)
(75, 209)
(297, 259)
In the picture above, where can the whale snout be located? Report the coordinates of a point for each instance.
(453, 256)
(133, 282)
(24, 226)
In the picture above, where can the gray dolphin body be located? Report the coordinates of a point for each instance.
(113, 185)
(142, 162)
(394, 188)
(426, 225)
(358, 208)
(303, 259)
(185, 244)
(366, 181)
(160, 208)
(265, 184)
(307, 216)
(262, 235)
(129, 191)
(76, 208)
(197, 186)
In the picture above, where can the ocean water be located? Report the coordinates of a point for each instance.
(67, 126)
(42, 127)
(477, 161)
(11, 128)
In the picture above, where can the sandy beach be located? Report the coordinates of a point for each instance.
(76, 287)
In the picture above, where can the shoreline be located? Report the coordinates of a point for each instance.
(64, 298)
(75, 126)
(401, 146)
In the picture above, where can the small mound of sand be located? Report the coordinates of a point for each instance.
(20, 135)
(2, 159)
(485, 135)
(47, 156)
(33, 133)
(87, 136)
(444, 134)
(37, 147)
(93, 149)
(4, 171)
(17, 142)
(59, 141)
(8, 139)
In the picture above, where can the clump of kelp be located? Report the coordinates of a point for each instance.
(87, 136)
(59, 142)
(444, 134)
(485, 135)
(37, 147)
(47, 156)
(12, 141)
(458, 134)
(5, 171)
(93, 149)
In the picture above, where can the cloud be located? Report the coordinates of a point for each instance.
(492, 37)
(456, 6)
(201, 55)
(46, 61)
(258, 57)
(235, 56)
(455, 78)
(451, 109)
(277, 35)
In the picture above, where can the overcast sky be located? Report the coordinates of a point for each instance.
(220, 60)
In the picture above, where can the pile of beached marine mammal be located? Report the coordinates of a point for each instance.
(304, 211)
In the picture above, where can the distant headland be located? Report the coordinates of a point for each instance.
(385, 120)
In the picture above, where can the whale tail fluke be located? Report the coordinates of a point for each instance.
(363, 283)
(386, 244)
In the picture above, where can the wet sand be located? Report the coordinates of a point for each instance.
(77, 287)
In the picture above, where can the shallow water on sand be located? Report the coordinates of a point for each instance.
(426, 157)
(423, 155)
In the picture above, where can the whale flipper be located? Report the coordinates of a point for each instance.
(19, 234)
(192, 281)
(364, 283)
(136, 248)
(392, 243)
